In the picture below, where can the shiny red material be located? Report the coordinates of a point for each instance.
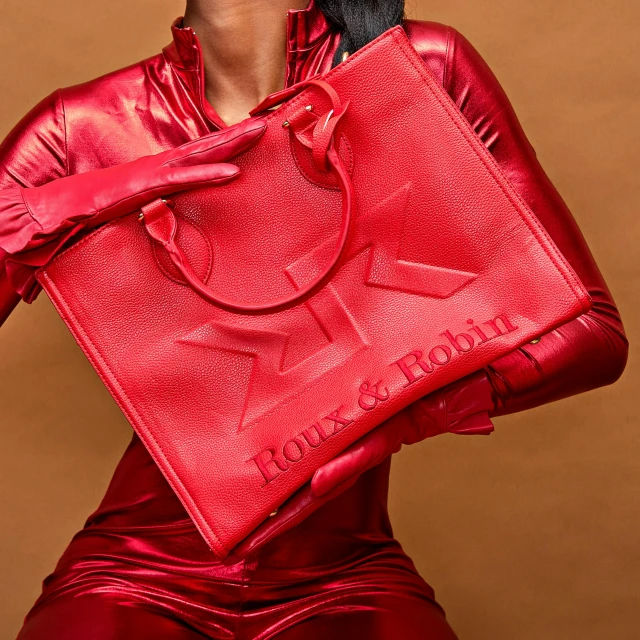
(139, 565)
(37, 221)
(461, 407)
(140, 547)
(239, 408)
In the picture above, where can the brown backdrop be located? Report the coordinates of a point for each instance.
(529, 534)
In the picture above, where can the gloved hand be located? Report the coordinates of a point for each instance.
(36, 222)
(462, 407)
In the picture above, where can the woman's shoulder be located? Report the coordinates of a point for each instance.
(446, 52)
(100, 97)
(432, 41)
(93, 124)
(122, 115)
(429, 37)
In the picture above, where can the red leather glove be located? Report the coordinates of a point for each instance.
(462, 407)
(36, 222)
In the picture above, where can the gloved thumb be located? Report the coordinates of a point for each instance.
(362, 455)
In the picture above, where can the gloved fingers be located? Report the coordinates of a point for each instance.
(299, 506)
(469, 395)
(362, 455)
(216, 147)
(173, 179)
(428, 417)
(475, 424)
(167, 181)
(348, 464)
(328, 482)
(461, 407)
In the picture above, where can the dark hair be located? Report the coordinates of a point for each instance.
(360, 21)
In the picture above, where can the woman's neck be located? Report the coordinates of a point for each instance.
(243, 45)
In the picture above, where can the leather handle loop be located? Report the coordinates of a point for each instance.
(279, 97)
(160, 223)
(325, 133)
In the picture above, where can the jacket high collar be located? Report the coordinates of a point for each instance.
(311, 43)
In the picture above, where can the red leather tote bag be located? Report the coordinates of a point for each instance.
(370, 252)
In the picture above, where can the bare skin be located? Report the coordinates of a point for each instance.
(243, 44)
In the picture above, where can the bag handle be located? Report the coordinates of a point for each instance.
(160, 221)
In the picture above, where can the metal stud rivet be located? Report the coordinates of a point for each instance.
(285, 123)
(273, 513)
(309, 107)
(535, 341)
(345, 55)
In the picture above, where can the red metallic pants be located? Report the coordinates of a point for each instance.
(139, 569)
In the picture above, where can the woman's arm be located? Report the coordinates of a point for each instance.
(36, 221)
(583, 354)
(586, 353)
(33, 154)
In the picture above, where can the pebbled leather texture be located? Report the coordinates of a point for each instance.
(38, 221)
(140, 540)
(445, 270)
(461, 408)
(161, 224)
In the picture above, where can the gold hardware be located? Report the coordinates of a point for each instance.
(345, 55)
(535, 341)
(285, 124)
(273, 513)
(309, 107)
(141, 216)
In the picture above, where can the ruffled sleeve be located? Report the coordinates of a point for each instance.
(18, 226)
(33, 154)
(20, 267)
(26, 245)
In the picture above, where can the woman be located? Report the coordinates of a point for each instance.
(139, 568)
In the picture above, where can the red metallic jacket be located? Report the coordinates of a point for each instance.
(160, 103)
